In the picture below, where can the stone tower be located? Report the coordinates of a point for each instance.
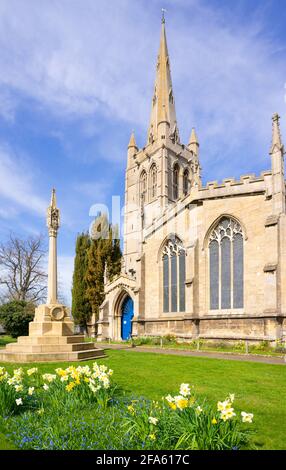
(161, 173)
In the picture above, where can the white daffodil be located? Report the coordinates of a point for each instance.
(32, 371)
(19, 401)
(223, 405)
(153, 420)
(246, 417)
(199, 410)
(227, 414)
(185, 390)
(18, 388)
(46, 387)
(31, 390)
(231, 397)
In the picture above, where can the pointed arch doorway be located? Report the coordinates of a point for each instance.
(127, 313)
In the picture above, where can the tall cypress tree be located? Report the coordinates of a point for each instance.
(81, 309)
(101, 252)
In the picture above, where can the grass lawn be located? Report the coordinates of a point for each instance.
(5, 339)
(259, 388)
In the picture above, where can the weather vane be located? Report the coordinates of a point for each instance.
(163, 14)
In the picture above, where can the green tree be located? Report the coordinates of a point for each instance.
(103, 251)
(81, 308)
(15, 317)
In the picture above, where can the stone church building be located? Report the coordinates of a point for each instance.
(199, 261)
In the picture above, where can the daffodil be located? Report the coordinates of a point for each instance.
(49, 377)
(153, 420)
(18, 388)
(40, 411)
(246, 417)
(214, 421)
(31, 390)
(152, 437)
(131, 409)
(181, 402)
(231, 397)
(199, 410)
(227, 414)
(19, 401)
(70, 386)
(223, 405)
(46, 387)
(185, 390)
(32, 371)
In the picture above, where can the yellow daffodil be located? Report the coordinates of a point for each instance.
(214, 421)
(131, 409)
(152, 437)
(70, 386)
(18, 388)
(31, 390)
(181, 402)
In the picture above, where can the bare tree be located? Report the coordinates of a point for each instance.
(22, 276)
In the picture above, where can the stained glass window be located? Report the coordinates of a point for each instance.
(226, 265)
(174, 276)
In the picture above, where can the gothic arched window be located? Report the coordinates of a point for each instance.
(174, 276)
(176, 170)
(226, 265)
(143, 186)
(153, 182)
(186, 182)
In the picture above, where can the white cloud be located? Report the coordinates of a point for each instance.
(94, 58)
(18, 184)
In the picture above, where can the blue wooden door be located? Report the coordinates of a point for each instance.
(127, 315)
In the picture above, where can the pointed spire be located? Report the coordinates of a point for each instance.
(276, 136)
(193, 144)
(132, 142)
(193, 137)
(163, 105)
(53, 199)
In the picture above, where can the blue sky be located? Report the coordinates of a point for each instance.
(77, 76)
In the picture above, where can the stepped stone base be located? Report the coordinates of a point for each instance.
(50, 347)
(50, 340)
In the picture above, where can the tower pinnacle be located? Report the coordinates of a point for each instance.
(276, 136)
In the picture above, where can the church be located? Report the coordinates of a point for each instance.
(200, 262)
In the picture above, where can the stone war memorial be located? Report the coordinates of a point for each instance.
(51, 333)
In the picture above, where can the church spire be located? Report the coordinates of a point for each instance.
(163, 104)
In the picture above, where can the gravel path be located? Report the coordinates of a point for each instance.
(209, 354)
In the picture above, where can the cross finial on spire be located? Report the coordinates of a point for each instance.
(276, 136)
(163, 15)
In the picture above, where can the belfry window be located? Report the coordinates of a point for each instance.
(174, 276)
(143, 186)
(176, 182)
(186, 182)
(153, 182)
(226, 265)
